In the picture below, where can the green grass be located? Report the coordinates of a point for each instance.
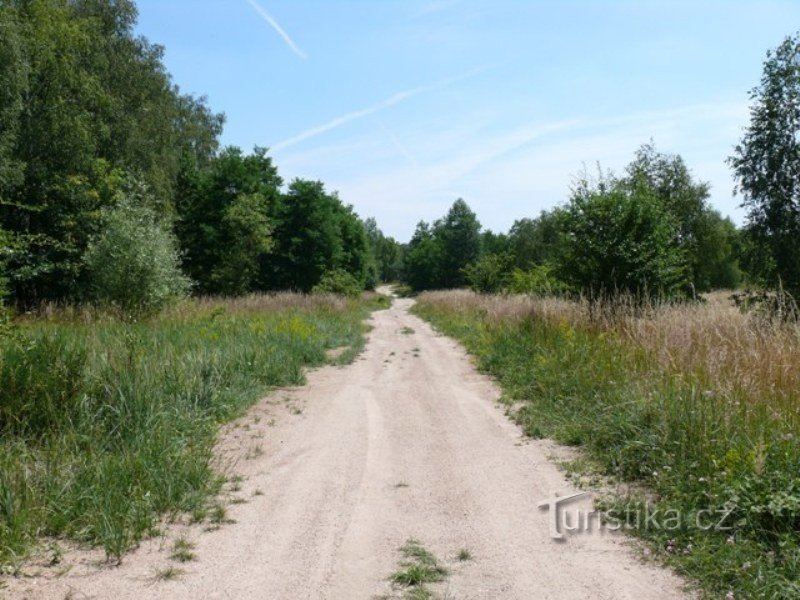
(106, 426)
(418, 568)
(182, 550)
(694, 441)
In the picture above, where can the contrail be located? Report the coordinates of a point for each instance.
(396, 142)
(364, 112)
(276, 26)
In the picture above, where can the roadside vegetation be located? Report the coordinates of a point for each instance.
(697, 402)
(108, 424)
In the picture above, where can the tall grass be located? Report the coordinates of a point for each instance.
(698, 402)
(107, 425)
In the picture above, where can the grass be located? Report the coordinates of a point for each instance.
(168, 574)
(418, 568)
(698, 404)
(107, 425)
(182, 550)
(407, 331)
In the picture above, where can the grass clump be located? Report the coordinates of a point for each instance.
(168, 574)
(699, 403)
(182, 550)
(418, 568)
(107, 423)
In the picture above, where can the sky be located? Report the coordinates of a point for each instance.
(403, 106)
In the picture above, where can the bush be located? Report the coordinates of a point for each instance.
(616, 240)
(490, 273)
(133, 263)
(539, 280)
(339, 282)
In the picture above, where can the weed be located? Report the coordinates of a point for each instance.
(407, 331)
(168, 574)
(418, 568)
(464, 555)
(182, 550)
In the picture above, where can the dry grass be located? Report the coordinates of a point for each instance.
(697, 402)
(740, 355)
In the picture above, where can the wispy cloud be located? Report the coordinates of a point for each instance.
(262, 12)
(375, 108)
(507, 172)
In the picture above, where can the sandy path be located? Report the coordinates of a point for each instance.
(406, 442)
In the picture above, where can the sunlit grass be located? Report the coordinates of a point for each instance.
(699, 402)
(105, 424)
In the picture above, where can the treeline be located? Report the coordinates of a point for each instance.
(648, 231)
(113, 187)
(651, 231)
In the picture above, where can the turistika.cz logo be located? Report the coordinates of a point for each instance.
(566, 518)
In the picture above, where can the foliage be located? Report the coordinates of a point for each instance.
(491, 273)
(133, 263)
(316, 233)
(538, 280)
(458, 235)
(437, 256)
(387, 253)
(766, 164)
(422, 260)
(105, 425)
(536, 241)
(97, 102)
(620, 240)
(704, 237)
(339, 282)
(226, 220)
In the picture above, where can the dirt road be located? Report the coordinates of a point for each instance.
(407, 442)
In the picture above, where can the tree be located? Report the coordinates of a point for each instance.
(700, 231)
(494, 243)
(423, 259)
(387, 252)
(766, 164)
(98, 105)
(535, 241)
(13, 85)
(226, 216)
(617, 240)
(459, 237)
(308, 237)
(716, 253)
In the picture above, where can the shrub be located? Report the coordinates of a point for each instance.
(133, 263)
(539, 280)
(339, 282)
(490, 273)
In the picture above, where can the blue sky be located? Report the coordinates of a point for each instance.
(404, 106)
